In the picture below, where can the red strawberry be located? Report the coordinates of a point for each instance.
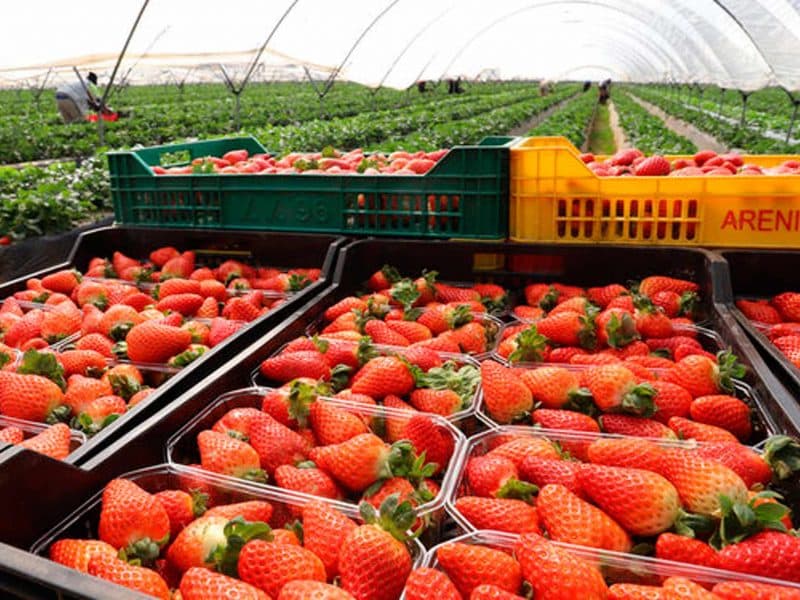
(425, 583)
(269, 566)
(555, 573)
(153, 342)
(345, 305)
(723, 411)
(182, 508)
(285, 367)
(769, 553)
(99, 413)
(30, 397)
(469, 566)
(180, 266)
(122, 573)
(678, 548)
(653, 166)
(635, 426)
(745, 462)
(305, 589)
(506, 397)
(373, 562)
(185, 304)
(614, 388)
(332, 424)
(568, 518)
(671, 400)
(616, 328)
(788, 305)
(501, 514)
(209, 309)
(162, 256)
(541, 471)
(276, 444)
(564, 419)
(62, 282)
(650, 286)
(681, 587)
(751, 590)
(11, 435)
(53, 442)
(250, 510)
(96, 342)
(522, 448)
(760, 311)
(200, 584)
(381, 333)
(701, 376)
(221, 329)
(60, 322)
(133, 520)
(492, 592)
(221, 453)
(383, 376)
(76, 554)
(569, 329)
(440, 402)
(790, 346)
(496, 477)
(324, 530)
(692, 430)
(83, 390)
(556, 387)
(195, 545)
(601, 296)
(307, 479)
(81, 361)
(434, 440)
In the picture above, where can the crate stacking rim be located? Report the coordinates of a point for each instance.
(465, 195)
(555, 197)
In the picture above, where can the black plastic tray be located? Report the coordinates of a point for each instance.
(285, 250)
(762, 274)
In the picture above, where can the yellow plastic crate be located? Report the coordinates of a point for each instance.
(555, 197)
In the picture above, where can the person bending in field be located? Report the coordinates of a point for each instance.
(76, 99)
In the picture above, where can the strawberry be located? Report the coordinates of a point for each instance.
(569, 329)
(528, 314)
(616, 328)
(324, 529)
(54, 442)
(133, 520)
(435, 441)
(602, 296)
(62, 282)
(788, 305)
(652, 322)
(96, 342)
(361, 461)
(173, 287)
(425, 583)
(332, 424)
(307, 479)
(191, 547)
(122, 573)
(541, 471)
(81, 361)
(571, 421)
(522, 448)
(759, 311)
(557, 388)
(396, 486)
(650, 286)
(11, 435)
(100, 413)
(81, 391)
(381, 333)
(285, 367)
(681, 587)
(185, 304)
(152, 342)
(60, 322)
(496, 477)
(790, 346)
(629, 452)
(678, 548)
(449, 293)
(653, 166)
(506, 397)
(383, 376)
(180, 266)
(182, 508)
(635, 591)
(199, 584)
(304, 589)
(723, 411)
(471, 338)
(24, 329)
(769, 553)
(76, 554)
(220, 453)
(614, 388)
(671, 400)
(162, 256)
(635, 426)
(276, 444)
(209, 309)
(750, 590)
(577, 304)
(492, 592)
(783, 329)
(742, 460)
(469, 566)
(373, 561)
(501, 514)
(568, 518)
(674, 304)
(700, 482)
(643, 502)
(210, 288)
(345, 305)
(691, 430)
(250, 510)
(270, 566)
(555, 573)
(440, 402)
(528, 345)
(30, 397)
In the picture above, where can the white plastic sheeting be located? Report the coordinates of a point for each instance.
(744, 44)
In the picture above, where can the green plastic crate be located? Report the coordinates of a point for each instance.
(465, 195)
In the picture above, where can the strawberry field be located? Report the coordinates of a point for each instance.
(377, 301)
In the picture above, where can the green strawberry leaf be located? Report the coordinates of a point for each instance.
(225, 557)
(782, 454)
(530, 346)
(301, 396)
(730, 369)
(44, 364)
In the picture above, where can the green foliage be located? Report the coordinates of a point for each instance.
(571, 120)
(647, 132)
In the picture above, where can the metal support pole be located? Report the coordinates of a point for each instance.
(745, 96)
(796, 104)
(721, 98)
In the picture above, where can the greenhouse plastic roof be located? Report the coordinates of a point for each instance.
(743, 44)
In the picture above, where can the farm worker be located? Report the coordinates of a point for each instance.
(77, 98)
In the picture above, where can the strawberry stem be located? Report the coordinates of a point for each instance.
(782, 454)
(639, 401)
(519, 490)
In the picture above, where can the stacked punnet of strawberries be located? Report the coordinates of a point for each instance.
(338, 449)
(485, 566)
(703, 504)
(631, 161)
(327, 162)
(779, 319)
(195, 542)
(55, 441)
(421, 312)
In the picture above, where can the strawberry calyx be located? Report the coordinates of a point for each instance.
(225, 557)
(621, 331)
(687, 305)
(199, 503)
(5, 358)
(340, 376)
(458, 316)
(530, 346)
(691, 524)
(495, 305)
(189, 355)
(741, 520)
(59, 414)
(639, 401)
(43, 364)
(108, 271)
(123, 386)
(391, 274)
(581, 400)
(41, 298)
(88, 425)
(549, 301)
(361, 319)
(463, 381)
(120, 350)
(405, 293)
(143, 552)
(301, 396)
(365, 351)
(730, 369)
(297, 282)
(782, 454)
(587, 336)
(394, 517)
(518, 490)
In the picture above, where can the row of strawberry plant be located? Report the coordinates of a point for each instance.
(648, 132)
(571, 120)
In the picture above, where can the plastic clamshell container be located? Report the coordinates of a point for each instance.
(182, 446)
(762, 427)
(615, 566)
(82, 523)
(464, 195)
(32, 428)
(555, 197)
(258, 380)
